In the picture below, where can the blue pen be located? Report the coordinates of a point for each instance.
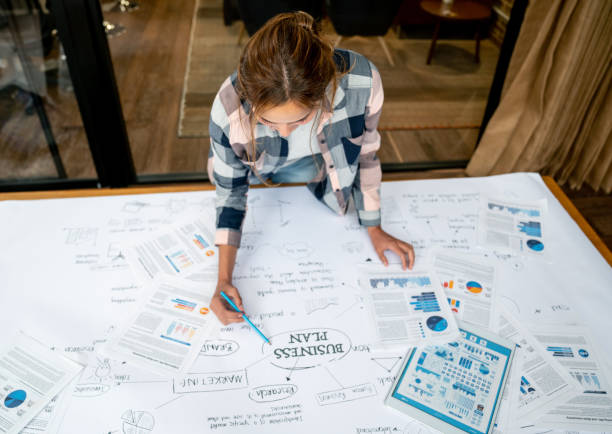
(233, 305)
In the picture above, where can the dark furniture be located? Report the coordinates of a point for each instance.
(363, 18)
(459, 10)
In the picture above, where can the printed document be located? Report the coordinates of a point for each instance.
(592, 409)
(469, 284)
(31, 375)
(542, 382)
(166, 332)
(407, 307)
(513, 226)
(176, 250)
(456, 386)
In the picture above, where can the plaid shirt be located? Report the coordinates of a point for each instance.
(347, 137)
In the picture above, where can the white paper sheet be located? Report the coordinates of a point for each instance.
(542, 382)
(176, 250)
(470, 286)
(513, 225)
(572, 347)
(296, 270)
(407, 308)
(30, 376)
(166, 332)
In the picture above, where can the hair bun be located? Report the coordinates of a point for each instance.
(304, 20)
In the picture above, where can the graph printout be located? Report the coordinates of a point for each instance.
(590, 410)
(407, 308)
(513, 226)
(166, 332)
(459, 383)
(177, 250)
(542, 381)
(30, 376)
(469, 284)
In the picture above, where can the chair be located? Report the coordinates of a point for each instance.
(363, 18)
(254, 14)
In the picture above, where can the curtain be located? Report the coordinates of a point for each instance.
(555, 112)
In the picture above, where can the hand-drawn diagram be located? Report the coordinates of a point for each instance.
(81, 236)
(137, 422)
(298, 283)
(387, 363)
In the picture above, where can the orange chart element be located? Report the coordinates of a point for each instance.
(474, 287)
(449, 284)
(204, 310)
(210, 253)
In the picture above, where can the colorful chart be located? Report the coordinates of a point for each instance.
(426, 302)
(535, 245)
(484, 369)
(474, 287)
(437, 323)
(448, 284)
(454, 304)
(15, 398)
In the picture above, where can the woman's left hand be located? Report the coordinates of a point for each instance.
(383, 241)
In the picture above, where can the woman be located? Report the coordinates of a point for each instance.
(296, 110)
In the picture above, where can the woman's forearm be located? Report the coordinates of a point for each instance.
(227, 260)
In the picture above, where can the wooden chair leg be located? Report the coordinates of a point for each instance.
(477, 54)
(386, 50)
(433, 42)
(241, 34)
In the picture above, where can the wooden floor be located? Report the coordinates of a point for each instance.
(150, 60)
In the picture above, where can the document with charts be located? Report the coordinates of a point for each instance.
(513, 226)
(572, 347)
(470, 286)
(176, 250)
(166, 332)
(455, 387)
(30, 376)
(406, 307)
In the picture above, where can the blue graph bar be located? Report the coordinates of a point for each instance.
(427, 302)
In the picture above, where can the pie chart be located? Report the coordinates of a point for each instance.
(15, 398)
(535, 245)
(436, 323)
(474, 287)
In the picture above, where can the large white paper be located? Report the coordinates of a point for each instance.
(542, 382)
(30, 376)
(470, 286)
(407, 308)
(513, 226)
(177, 250)
(296, 270)
(591, 410)
(165, 333)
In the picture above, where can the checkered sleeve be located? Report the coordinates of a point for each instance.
(229, 175)
(366, 188)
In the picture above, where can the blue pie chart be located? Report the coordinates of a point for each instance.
(583, 353)
(536, 245)
(437, 323)
(15, 398)
(484, 369)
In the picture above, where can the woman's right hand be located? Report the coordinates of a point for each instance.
(221, 308)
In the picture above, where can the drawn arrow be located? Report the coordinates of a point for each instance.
(292, 369)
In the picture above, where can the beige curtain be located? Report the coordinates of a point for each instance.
(555, 113)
